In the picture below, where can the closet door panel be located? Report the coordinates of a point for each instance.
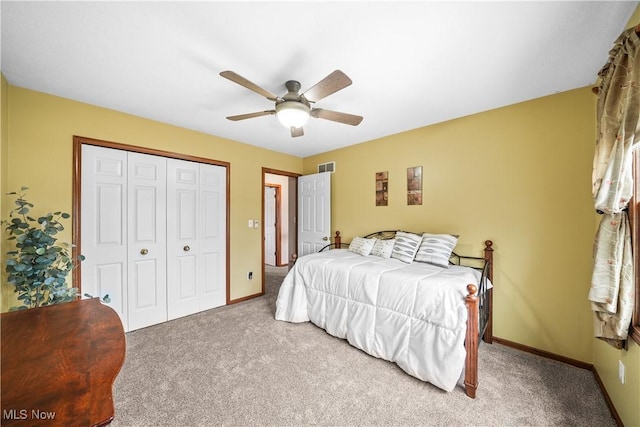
(182, 235)
(213, 286)
(147, 292)
(109, 279)
(104, 226)
(144, 278)
(213, 239)
(186, 211)
(186, 255)
(187, 286)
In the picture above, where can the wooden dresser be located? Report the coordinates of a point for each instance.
(59, 364)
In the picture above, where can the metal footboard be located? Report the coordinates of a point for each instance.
(485, 288)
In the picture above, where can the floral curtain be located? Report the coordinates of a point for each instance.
(618, 116)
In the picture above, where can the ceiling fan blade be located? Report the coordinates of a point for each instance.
(325, 87)
(296, 132)
(236, 78)
(335, 116)
(251, 115)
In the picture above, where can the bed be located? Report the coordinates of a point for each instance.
(424, 309)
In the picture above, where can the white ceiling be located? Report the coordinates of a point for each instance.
(412, 63)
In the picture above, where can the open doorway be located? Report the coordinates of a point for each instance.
(272, 219)
(279, 231)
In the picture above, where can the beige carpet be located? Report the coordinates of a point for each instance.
(237, 366)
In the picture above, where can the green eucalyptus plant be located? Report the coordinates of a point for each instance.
(39, 265)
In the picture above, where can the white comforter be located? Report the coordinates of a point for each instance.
(410, 314)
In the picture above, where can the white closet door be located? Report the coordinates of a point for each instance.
(183, 181)
(196, 234)
(153, 234)
(104, 226)
(147, 201)
(213, 240)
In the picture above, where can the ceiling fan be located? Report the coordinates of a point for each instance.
(294, 108)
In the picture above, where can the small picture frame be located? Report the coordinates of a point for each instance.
(382, 188)
(414, 185)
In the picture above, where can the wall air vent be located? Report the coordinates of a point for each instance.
(327, 167)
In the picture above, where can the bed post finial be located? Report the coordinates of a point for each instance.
(338, 240)
(488, 256)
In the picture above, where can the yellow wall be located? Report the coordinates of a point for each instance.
(626, 397)
(518, 175)
(39, 149)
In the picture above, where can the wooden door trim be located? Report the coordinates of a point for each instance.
(266, 171)
(78, 141)
(278, 219)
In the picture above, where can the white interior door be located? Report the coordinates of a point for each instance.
(270, 225)
(213, 240)
(314, 212)
(183, 181)
(147, 204)
(104, 226)
(123, 205)
(196, 237)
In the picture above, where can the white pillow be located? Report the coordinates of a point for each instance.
(362, 246)
(436, 249)
(383, 248)
(406, 246)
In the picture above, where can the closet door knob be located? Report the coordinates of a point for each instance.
(186, 248)
(144, 251)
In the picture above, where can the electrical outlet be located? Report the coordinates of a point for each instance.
(621, 371)
(250, 275)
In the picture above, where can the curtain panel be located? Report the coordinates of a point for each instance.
(618, 115)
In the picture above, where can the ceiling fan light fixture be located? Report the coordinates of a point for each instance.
(292, 114)
(294, 108)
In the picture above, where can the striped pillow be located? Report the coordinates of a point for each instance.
(383, 248)
(436, 249)
(406, 246)
(361, 246)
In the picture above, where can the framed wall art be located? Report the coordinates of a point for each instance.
(414, 185)
(382, 188)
